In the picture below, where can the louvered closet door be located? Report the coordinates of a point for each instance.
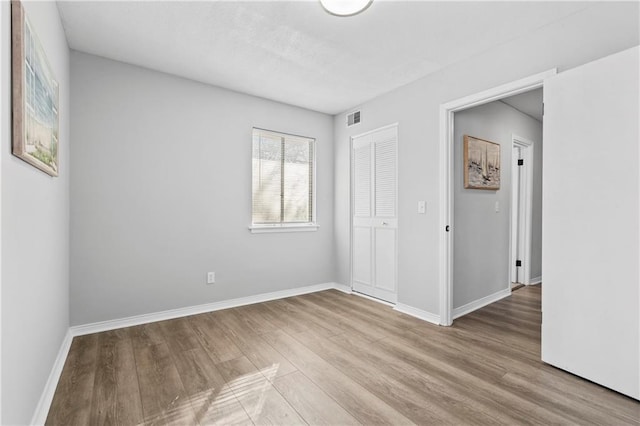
(374, 206)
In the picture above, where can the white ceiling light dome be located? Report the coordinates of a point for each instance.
(345, 7)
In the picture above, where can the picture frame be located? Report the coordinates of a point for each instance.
(35, 97)
(481, 164)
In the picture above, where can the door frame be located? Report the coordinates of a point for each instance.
(523, 231)
(447, 227)
(2, 79)
(351, 207)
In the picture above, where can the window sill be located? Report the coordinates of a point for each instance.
(263, 229)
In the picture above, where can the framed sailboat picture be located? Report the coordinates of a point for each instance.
(35, 96)
(481, 164)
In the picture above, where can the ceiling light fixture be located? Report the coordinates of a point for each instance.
(345, 7)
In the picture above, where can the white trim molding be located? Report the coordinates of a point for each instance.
(343, 288)
(373, 299)
(480, 303)
(377, 129)
(42, 409)
(264, 229)
(535, 281)
(96, 327)
(418, 313)
(523, 233)
(447, 227)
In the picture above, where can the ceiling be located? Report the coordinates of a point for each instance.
(529, 103)
(293, 51)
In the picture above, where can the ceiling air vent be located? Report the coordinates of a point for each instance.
(353, 118)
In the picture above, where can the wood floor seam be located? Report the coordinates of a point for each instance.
(316, 384)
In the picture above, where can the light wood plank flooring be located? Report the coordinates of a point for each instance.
(329, 358)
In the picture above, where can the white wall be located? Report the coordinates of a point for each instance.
(416, 108)
(35, 237)
(481, 235)
(161, 194)
(591, 215)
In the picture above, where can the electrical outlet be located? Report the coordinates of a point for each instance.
(211, 277)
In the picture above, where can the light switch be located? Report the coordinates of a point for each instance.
(422, 207)
(497, 206)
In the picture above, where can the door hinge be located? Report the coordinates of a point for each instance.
(518, 262)
(543, 108)
(520, 162)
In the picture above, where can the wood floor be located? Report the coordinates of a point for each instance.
(329, 358)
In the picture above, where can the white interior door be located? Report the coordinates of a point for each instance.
(590, 216)
(374, 207)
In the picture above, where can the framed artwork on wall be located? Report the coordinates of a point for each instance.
(35, 97)
(481, 164)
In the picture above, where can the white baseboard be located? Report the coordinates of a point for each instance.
(418, 313)
(405, 309)
(42, 409)
(96, 327)
(44, 404)
(343, 288)
(480, 303)
(373, 299)
(536, 280)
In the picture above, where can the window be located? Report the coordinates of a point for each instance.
(283, 184)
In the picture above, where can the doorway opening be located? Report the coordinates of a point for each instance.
(447, 224)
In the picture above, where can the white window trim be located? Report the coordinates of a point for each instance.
(283, 227)
(266, 228)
